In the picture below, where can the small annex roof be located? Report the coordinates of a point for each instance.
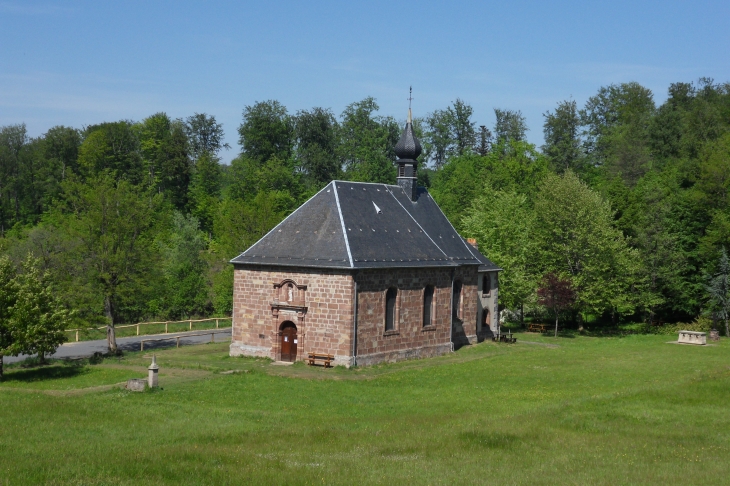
(353, 225)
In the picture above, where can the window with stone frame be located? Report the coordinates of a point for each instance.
(456, 300)
(428, 305)
(391, 300)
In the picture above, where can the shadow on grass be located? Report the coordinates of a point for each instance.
(491, 440)
(43, 373)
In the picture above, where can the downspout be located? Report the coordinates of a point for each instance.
(354, 322)
(451, 311)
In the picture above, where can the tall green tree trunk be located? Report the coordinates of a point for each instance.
(556, 323)
(727, 329)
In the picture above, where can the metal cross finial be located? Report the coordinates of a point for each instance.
(410, 96)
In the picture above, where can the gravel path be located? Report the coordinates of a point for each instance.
(84, 349)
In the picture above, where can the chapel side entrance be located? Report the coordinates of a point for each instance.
(288, 344)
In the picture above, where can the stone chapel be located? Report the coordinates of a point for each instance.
(365, 272)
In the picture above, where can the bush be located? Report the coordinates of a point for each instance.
(700, 324)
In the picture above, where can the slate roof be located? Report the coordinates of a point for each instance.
(353, 225)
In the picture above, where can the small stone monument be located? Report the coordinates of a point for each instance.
(136, 384)
(152, 373)
(714, 335)
(692, 337)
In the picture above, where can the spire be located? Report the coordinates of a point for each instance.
(407, 150)
(408, 147)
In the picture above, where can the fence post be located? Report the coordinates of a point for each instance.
(137, 329)
(165, 327)
(77, 335)
(191, 325)
(216, 323)
(177, 342)
(212, 337)
(141, 345)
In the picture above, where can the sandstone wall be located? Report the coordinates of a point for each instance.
(410, 339)
(321, 308)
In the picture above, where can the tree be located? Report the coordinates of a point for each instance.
(556, 294)
(61, 147)
(503, 223)
(13, 142)
(367, 143)
(316, 137)
(32, 318)
(450, 132)
(510, 126)
(484, 142)
(578, 241)
(112, 148)
(459, 114)
(205, 190)
(38, 318)
(266, 131)
(184, 268)
(113, 220)
(617, 122)
(439, 137)
(164, 145)
(7, 301)
(562, 137)
(205, 135)
(718, 290)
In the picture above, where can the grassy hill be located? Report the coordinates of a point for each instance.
(631, 410)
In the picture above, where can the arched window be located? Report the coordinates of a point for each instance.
(390, 299)
(486, 284)
(427, 305)
(456, 300)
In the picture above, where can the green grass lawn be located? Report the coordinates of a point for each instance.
(580, 410)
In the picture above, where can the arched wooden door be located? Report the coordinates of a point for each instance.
(288, 341)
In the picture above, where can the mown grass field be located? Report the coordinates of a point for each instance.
(631, 410)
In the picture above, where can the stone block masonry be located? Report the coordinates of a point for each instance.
(320, 307)
(320, 303)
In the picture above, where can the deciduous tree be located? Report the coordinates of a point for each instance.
(718, 290)
(113, 220)
(556, 294)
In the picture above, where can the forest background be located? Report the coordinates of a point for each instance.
(626, 202)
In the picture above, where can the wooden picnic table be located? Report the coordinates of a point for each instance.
(538, 327)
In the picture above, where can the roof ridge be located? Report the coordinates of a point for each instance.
(418, 224)
(342, 224)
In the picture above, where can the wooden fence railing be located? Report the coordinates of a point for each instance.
(177, 338)
(166, 323)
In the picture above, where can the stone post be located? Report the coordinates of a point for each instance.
(152, 373)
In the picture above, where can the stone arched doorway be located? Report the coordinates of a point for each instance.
(289, 341)
(486, 320)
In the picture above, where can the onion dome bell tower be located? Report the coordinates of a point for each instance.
(407, 150)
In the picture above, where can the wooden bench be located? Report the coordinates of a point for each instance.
(537, 328)
(326, 359)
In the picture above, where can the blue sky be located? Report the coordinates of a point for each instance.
(77, 63)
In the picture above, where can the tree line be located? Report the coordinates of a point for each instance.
(626, 201)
